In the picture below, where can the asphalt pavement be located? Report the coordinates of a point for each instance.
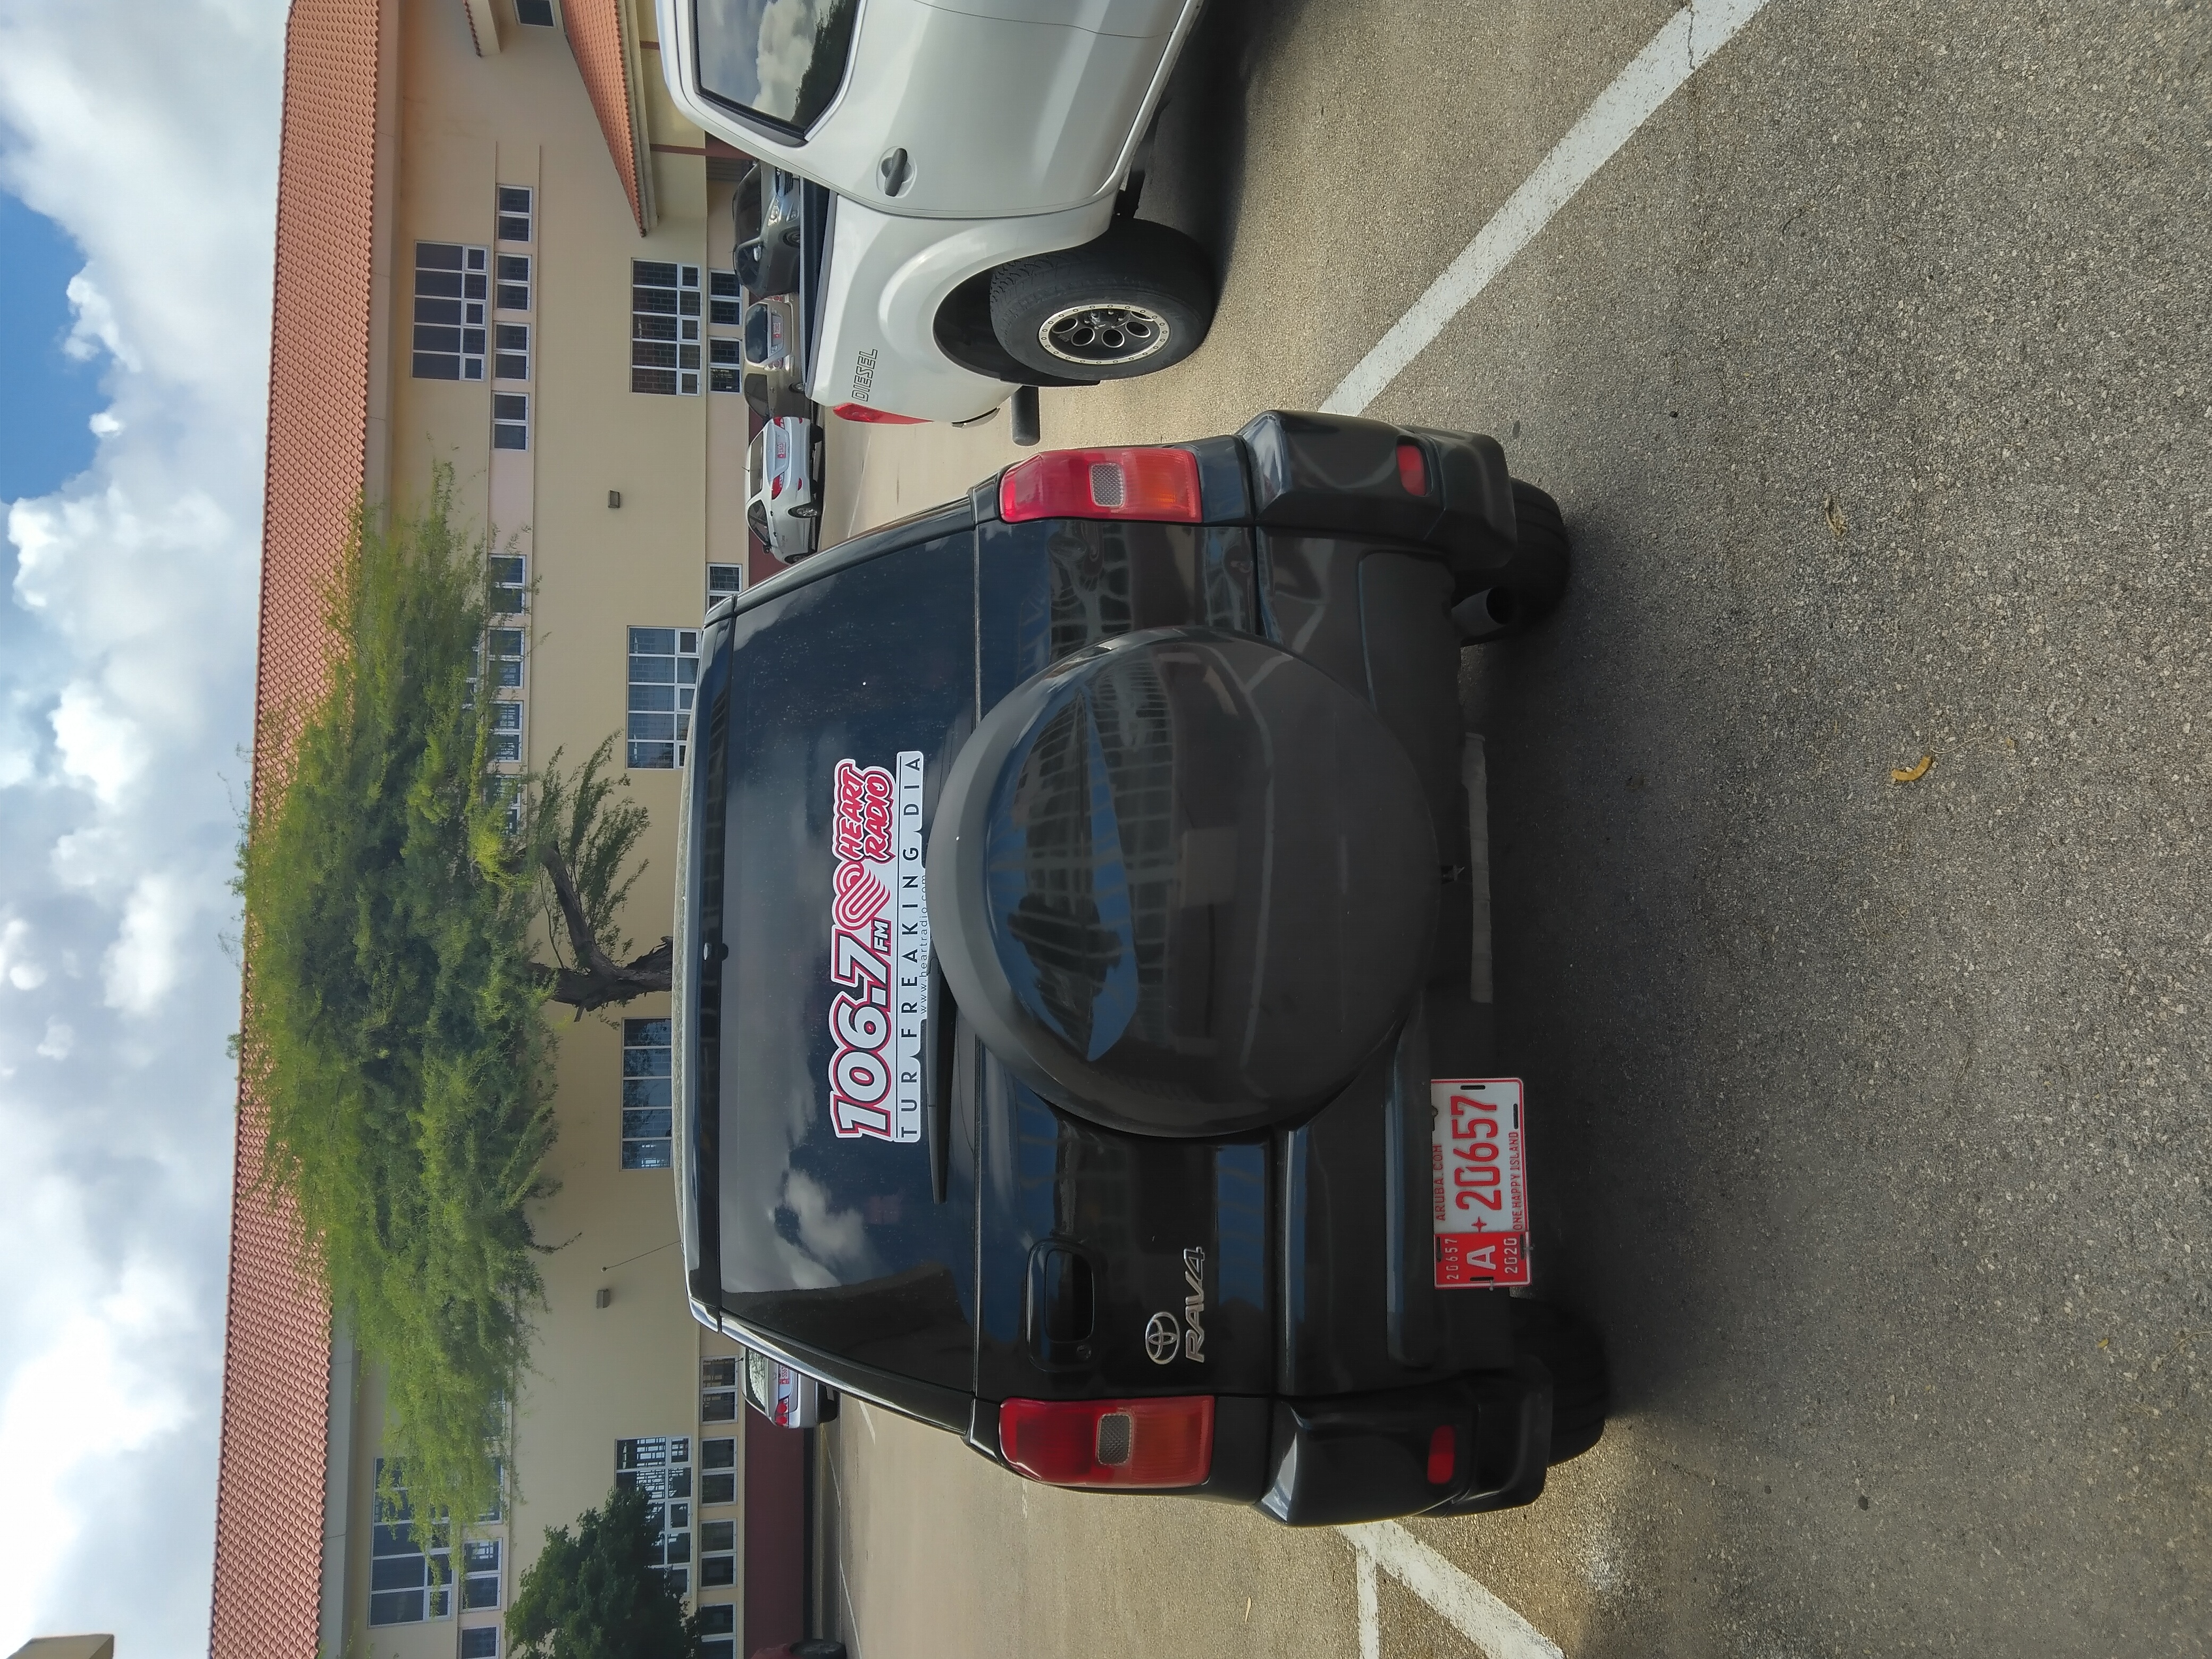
(1869, 1117)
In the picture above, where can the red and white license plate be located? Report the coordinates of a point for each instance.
(1478, 1158)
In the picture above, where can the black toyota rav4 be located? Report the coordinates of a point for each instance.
(1082, 955)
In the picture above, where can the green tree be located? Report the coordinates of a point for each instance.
(595, 1595)
(399, 900)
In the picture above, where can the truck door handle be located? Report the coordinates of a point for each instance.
(1062, 1306)
(895, 172)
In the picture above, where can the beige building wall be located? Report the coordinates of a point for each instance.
(462, 125)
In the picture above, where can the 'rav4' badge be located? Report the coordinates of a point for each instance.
(1193, 1305)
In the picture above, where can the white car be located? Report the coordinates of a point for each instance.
(976, 157)
(783, 484)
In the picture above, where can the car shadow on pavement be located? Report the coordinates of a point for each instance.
(1199, 162)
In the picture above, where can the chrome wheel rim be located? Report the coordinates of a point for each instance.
(1097, 336)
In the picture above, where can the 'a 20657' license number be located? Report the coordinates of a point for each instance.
(1479, 1163)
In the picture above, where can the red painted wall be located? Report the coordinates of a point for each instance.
(775, 1534)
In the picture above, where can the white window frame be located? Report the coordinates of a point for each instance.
(661, 1464)
(640, 731)
(510, 420)
(472, 304)
(504, 216)
(654, 1067)
(676, 351)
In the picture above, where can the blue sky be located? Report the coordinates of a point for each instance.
(47, 397)
(137, 185)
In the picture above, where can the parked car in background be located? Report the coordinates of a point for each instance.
(1081, 971)
(772, 382)
(981, 168)
(786, 1396)
(783, 486)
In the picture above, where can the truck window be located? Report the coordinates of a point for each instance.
(776, 61)
(829, 1234)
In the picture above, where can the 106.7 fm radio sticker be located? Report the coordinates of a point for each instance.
(1478, 1166)
(878, 952)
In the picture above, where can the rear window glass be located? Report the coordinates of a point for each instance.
(847, 695)
(781, 60)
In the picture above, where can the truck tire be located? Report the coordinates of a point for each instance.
(1136, 300)
(1574, 1353)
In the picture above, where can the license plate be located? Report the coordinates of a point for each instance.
(1479, 1161)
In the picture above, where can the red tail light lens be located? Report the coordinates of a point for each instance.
(1109, 1443)
(1413, 469)
(1157, 484)
(1444, 1452)
(775, 486)
(868, 415)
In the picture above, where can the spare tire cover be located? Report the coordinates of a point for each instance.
(1183, 883)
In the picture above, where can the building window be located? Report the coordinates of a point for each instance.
(538, 14)
(480, 1642)
(645, 1098)
(717, 1619)
(450, 281)
(510, 583)
(510, 420)
(514, 282)
(725, 300)
(664, 662)
(480, 1573)
(725, 366)
(511, 360)
(505, 658)
(663, 328)
(514, 212)
(718, 1390)
(723, 581)
(507, 731)
(406, 1583)
(661, 1466)
(717, 1471)
(718, 1559)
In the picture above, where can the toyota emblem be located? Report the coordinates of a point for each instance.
(1162, 1338)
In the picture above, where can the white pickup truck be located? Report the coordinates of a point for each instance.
(977, 153)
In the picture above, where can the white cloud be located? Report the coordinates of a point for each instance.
(99, 747)
(17, 968)
(126, 658)
(144, 963)
(94, 1393)
(94, 329)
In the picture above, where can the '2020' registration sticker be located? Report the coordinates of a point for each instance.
(879, 950)
(1478, 1152)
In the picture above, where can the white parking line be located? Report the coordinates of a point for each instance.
(1473, 1610)
(1689, 38)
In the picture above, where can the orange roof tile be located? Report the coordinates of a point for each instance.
(595, 29)
(269, 1481)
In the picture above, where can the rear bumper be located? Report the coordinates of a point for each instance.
(1369, 1456)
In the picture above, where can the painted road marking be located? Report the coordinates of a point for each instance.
(1371, 1607)
(1471, 1610)
(1687, 41)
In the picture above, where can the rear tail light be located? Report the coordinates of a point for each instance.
(775, 486)
(1413, 468)
(871, 416)
(1157, 484)
(1109, 1443)
(1444, 1455)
